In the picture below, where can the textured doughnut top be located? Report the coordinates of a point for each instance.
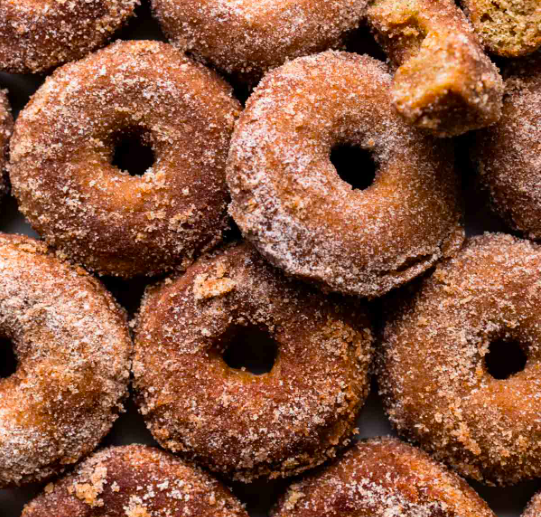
(534, 507)
(507, 154)
(248, 37)
(433, 376)
(244, 425)
(73, 351)
(91, 211)
(291, 204)
(36, 35)
(6, 126)
(383, 477)
(135, 481)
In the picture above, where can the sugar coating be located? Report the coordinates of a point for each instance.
(135, 481)
(290, 203)
(508, 28)
(432, 372)
(97, 215)
(383, 477)
(444, 82)
(6, 127)
(236, 423)
(249, 37)
(37, 35)
(73, 350)
(508, 154)
(534, 507)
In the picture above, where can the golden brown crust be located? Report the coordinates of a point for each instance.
(534, 507)
(246, 426)
(508, 28)
(290, 203)
(249, 37)
(6, 127)
(36, 36)
(432, 372)
(135, 481)
(444, 82)
(102, 217)
(383, 477)
(507, 154)
(73, 350)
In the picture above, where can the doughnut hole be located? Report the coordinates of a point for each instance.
(133, 152)
(354, 165)
(250, 349)
(8, 359)
(505, 358)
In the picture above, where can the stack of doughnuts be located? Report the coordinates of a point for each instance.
(246, 231)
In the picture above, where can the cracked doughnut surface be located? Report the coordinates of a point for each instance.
(508, 28)
(383, 477)
(444, 82)
(236, 423)
(507, 154)
(289, 201)
(436, 386)
(249, 37)
(37, 35)
(73, 353)
(135, 481)
(6, 127)
(92, 212)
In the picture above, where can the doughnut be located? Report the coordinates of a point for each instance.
(247, 38)
(228, 419)
(534, 507)
(88, 209)
(6, 126)
(444, 82)
(36, 36)
(506, 155)
(135, 481)
(290, 203)
(73, 353)
(433, 371)
(508, 28)
(383, 477)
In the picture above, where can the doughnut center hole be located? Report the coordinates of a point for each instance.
(250, 349)
(354, 165)
(133, 154)
(8, 359)
(505, 358)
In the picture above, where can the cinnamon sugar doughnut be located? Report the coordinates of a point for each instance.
(73, 349)
(290, 203)
(6, 125)
(135, 481)
(433, 375)
(534, 507)
(444, 82)
(507, 154)
(38, 35)
(383, 477)
(508, 28)
(249, 37)
(234, 422)
(98, 215)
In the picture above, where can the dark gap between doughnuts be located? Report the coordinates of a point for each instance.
(132, 154)
(354, 165)
(505, 358)
(250, 349)
(8, 359)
